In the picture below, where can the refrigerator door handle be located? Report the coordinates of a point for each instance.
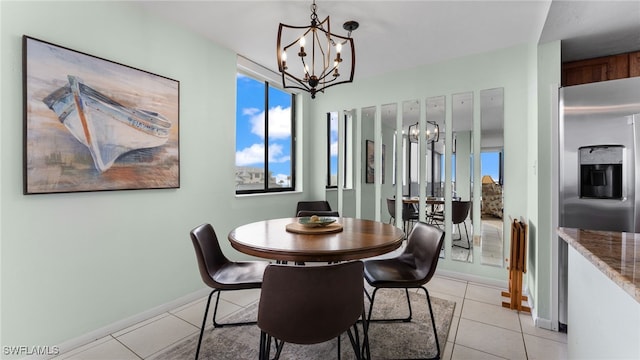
(635, 119)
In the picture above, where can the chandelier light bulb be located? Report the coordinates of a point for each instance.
(338, 48)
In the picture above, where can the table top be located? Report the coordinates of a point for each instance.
(429, 200)
(616, 254)
(358, 239)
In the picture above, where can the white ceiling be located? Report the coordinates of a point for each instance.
(396, 35)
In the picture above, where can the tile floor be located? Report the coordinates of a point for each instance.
(481, 328)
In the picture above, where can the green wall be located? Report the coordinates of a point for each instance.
(74, 263)
(509, 68)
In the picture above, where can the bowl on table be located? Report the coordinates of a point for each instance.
(315, 221)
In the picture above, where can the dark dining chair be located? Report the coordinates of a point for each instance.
(412, 269)
(311, 305)
(319, 205)
(302, 213)
(459, 213)
(221, 274)
(409, 214)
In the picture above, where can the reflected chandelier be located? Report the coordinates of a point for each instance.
(318, 68)
(432, 130)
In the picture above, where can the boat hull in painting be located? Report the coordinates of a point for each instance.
(107, 128)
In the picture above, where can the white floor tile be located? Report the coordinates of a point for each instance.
(448, 350)
(464, 353)
(240, 297)
(139, 325)
(540, 348)
(447, 286)
(486, 294)
(83, 348)
(491, 314)
(109, 350)
(453, 329)
(157, 335)
(529, 328)
(490, 339)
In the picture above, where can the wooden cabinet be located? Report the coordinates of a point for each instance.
(634, 64)
(594, 70)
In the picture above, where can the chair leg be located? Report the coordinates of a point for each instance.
(372, 298)
(460, 232)
(217, 324)
(204, 321)
(433, 323)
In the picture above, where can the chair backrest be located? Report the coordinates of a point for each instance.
(423, 250)
(391, 207)
(320, 205)
(459, 211)
(310, 304)
(318, 212)
(208, 252)
(408, 210)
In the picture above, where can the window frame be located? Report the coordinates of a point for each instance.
(266, 189)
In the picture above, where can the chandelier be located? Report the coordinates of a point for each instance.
(320, 65)
(432, 130)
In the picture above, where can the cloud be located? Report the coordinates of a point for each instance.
(279, 122)
(282, 179)
(334, 148)
(254, 155)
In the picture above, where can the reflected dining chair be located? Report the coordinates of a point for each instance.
(459, 214)
(319, 205)
(221, 274)
(310, 305)
(409, 214)
(413, 268)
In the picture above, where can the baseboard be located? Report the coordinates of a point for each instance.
(124, 323)
(473, 278)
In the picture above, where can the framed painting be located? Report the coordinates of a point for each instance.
(370, 166)
(92, 124)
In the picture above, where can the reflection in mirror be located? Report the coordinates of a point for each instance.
(367, 193)
(461, 227)
(491, 167)
(410, 118)
(388, 116)
(434, 173)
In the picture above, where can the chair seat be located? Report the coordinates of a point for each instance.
(241, 275)
(399, 272)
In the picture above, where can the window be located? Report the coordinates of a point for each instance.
(265, 144)
(332, 152)
(491, 164)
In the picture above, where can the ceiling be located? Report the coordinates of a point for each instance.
(395, 35)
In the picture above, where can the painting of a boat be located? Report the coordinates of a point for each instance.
(107, 128)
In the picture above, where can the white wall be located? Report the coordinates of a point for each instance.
(73, 263)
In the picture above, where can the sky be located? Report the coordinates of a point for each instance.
(250, 130)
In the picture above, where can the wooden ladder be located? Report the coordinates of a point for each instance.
(517, 267)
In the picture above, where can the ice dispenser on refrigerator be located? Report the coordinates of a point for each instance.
(601, 171)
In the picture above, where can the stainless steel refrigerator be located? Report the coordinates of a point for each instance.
(598, 164)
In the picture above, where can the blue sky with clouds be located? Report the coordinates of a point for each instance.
(250, 130)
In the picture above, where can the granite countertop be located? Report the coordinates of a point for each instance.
(616, 254)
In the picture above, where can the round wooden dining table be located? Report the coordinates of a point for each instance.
(356, 239)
